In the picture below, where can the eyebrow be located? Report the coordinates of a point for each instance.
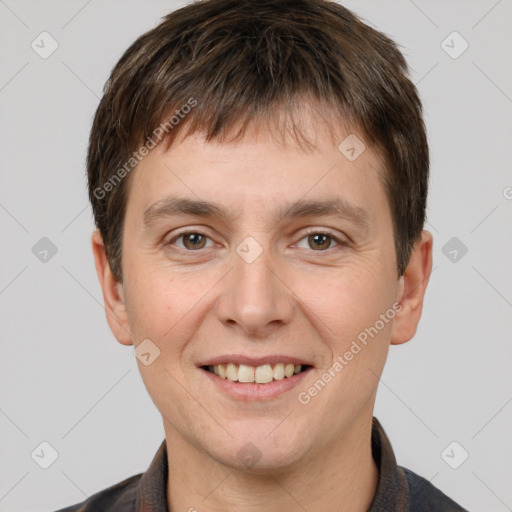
(178, 206)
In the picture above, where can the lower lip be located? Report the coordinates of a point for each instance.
(251, 391)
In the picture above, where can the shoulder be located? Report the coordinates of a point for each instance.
(119, 497)
(425, 497)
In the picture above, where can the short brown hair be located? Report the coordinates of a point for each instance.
(236, 61)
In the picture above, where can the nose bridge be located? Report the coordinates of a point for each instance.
(254, 298)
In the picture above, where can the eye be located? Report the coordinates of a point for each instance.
(192, 240)
(317, 240)
(320, 241)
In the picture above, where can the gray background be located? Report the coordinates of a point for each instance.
(65, 379)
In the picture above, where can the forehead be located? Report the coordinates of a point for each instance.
(263, 171)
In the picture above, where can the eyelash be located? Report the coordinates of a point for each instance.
(309, 232)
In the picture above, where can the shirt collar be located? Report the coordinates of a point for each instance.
(152, 488)
(392, 490)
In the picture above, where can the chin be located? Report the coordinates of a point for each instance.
(261, 447)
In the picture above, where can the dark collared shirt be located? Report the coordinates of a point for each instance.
(398, 490)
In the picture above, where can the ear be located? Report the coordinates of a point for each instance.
(412, 290)
(113, 296)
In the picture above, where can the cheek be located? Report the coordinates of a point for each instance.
(168, 308)
(348, 318)
(348, 300)
(156, 301)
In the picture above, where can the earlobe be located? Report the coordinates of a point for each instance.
(113, 293)
(411, 290)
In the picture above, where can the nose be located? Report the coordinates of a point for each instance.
(255, 297)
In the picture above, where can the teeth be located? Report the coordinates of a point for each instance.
(232, 372)
(260, 374)
(288, 370)
(245, 373)
(279, 371)
(264, 374)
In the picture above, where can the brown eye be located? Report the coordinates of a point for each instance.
(319, 241)
(191, 241)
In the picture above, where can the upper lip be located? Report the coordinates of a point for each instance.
(254, 361)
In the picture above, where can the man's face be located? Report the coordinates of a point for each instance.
(249, 283)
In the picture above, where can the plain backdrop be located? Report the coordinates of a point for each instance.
(66, 381)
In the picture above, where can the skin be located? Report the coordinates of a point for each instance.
(294, 299)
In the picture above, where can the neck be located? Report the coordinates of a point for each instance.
(345, 474)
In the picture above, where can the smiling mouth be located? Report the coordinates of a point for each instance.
(263, 374)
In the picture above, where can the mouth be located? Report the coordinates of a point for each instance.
(262, 374)
(255, 383)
